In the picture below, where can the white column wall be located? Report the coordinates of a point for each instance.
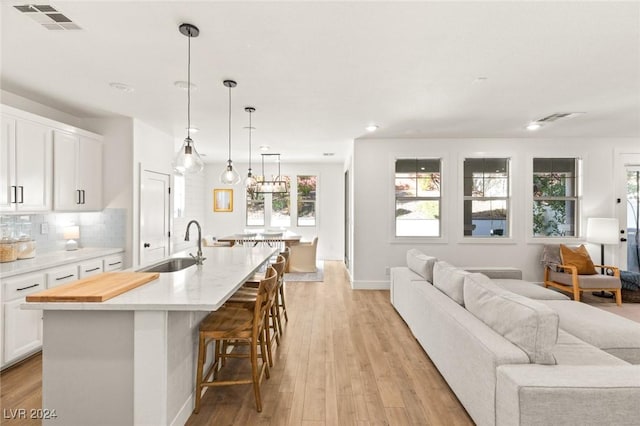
(376, 249)
(329, 205)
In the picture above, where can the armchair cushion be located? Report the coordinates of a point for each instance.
(578, 257)
(586, 281)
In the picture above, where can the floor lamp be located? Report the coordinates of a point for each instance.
(602, 231)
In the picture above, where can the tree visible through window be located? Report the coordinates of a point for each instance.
(417, 193)
(555, 197)
(307, 186)
(486, 197)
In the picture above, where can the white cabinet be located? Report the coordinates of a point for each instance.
(25, 165)
(22, 329)
(90, 267)
(78, 172)
(113, 263)
(62, 275)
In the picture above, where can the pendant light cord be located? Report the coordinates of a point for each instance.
(229, 124)
(250, 130)
(189, 89)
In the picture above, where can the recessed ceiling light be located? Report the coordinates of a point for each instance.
(534, 125)
(265, 147)
(193, 129)
(480, 79)
(121, 86)
(184, 85)
(371, 128)
(249, 127)
(328, 154)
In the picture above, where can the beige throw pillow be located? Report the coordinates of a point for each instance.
(449, 280)
(421, 264)
(527, 323)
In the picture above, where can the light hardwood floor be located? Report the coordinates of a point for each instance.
(346, 358)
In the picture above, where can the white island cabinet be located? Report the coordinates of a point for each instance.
(131, 360)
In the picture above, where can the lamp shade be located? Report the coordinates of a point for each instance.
(603, 230)
(71, 233)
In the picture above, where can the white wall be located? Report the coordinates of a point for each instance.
(375, 247)
(330, 205)
(117, 157)
(37, 108)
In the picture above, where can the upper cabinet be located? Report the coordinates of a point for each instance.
(45, 165)
(77, 172)
(25, 165)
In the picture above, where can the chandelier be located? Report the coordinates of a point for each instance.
(277, 185)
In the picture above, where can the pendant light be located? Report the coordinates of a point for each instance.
(250, 181)
(187, 159)
(277, 185)
(230, 176)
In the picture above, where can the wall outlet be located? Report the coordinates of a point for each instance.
(44, 228)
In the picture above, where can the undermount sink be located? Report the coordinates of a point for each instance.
(170, 265)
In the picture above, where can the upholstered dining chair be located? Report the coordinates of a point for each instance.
(572, 271)
(303, 257)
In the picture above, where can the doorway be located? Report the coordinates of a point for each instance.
(154, 216)
(347, 220)
(632, 217)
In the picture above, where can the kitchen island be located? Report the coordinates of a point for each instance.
(131, 360)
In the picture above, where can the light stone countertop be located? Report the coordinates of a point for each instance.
(52, 259)
(196, 288)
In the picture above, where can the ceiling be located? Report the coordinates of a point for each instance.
(319, 72)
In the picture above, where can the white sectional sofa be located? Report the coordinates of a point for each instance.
(515, 353)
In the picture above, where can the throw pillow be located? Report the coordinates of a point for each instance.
(450, 280)
(578, 257)
(421, 264)
(527, 323)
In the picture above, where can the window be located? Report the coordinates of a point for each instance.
(255, 209)
(555, 197)
(280, 207)
(486, 197)
(417, 191)
(307, 200)
(274, 209)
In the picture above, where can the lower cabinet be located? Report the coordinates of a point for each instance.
(22, 329)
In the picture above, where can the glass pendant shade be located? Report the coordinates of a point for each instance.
(187, 159)
(250, 181)
(230, 176)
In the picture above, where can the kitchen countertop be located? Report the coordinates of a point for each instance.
(196, 288)
(53, 259)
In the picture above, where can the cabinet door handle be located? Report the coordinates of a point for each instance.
(84, 198)
(146, 245)
(21, 194)
(14, 194)
(27, 287)
(91, 270)
(79, 201)
(65, 277)
(114, 264)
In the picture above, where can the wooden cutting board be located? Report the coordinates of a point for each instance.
(96, 288)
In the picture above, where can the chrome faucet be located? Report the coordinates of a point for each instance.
(199, 259)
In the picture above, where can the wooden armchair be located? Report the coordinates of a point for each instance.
(565, 277)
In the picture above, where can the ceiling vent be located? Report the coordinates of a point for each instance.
(557, 116)
(48, 17)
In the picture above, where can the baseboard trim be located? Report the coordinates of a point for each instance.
(184, 413)
(370, 285)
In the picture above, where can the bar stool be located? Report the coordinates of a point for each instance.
(237, 324)
(280, 302)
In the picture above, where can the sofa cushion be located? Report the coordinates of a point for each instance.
(421, 264)
(569, 350)
(450, 280)
(527, 323)
(612, 333)
(529, 289)
(578, 257)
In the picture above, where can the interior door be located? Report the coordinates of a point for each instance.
(154, 217)
(630, 223)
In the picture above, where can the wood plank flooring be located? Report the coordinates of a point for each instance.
(346, 358)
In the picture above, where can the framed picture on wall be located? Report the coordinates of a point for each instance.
(223, 200)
